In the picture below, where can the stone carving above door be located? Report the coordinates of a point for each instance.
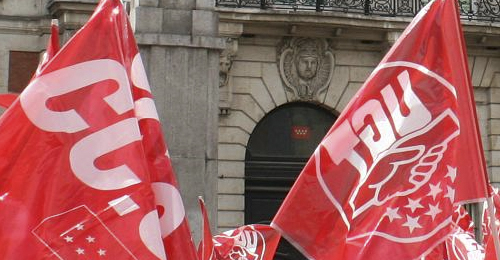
(306, 67)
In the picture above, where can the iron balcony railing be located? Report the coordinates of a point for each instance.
(481, 10)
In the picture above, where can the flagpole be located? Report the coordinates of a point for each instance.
(493, 226)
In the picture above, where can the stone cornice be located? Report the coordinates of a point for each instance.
(58, 7)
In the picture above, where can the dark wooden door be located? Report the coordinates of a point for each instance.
(277, 150)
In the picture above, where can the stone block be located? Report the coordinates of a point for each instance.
(495, 158)
(234, 152)
(494, 173)
(273, 82)
(495, 126)
(205, 4)
(146, 19)
(234, 169)
(347, 95)
(489, 72)
(205, 23)
(239, 119)
(231, 186)
(152, 3)
(177, 21)
(246, 69)
(340, 80)
(267, 40)
(186, 101)
(249, 105)
(180, 5)
(231, 202)
(257, 53)
(231, 219)
(233, 135)
(230, 29)
(479, 64)
(495, 142)
(358, 58)
(256, 88)
(495, 95)
(359, 74)
(481, 96)
(495, 110)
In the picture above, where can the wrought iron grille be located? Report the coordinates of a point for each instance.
(482, 10)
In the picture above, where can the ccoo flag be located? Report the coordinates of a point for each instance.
(383, 182)
(79, 167)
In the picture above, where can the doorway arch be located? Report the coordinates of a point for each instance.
(277, 150)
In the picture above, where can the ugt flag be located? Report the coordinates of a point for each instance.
(383, 181)
(76, 167)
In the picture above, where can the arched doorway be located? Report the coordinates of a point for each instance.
(277, 150)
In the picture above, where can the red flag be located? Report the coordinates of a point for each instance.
(52, 48)
(402, 153)
(74, 177)
(250, 242)
(206, 246)
(7, 99)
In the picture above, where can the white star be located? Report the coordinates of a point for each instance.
(68, 239)
(392, 213)
(101, 252)
(433, 211)
(450, 194)
(434, 190)
(452, 173)
(412, 223)
(413, 204)
(90, 239)
(80, 251)
(79, 226)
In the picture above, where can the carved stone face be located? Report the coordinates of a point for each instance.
(224, 64)
(307, 66)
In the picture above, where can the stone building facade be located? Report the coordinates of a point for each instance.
(225, 75)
